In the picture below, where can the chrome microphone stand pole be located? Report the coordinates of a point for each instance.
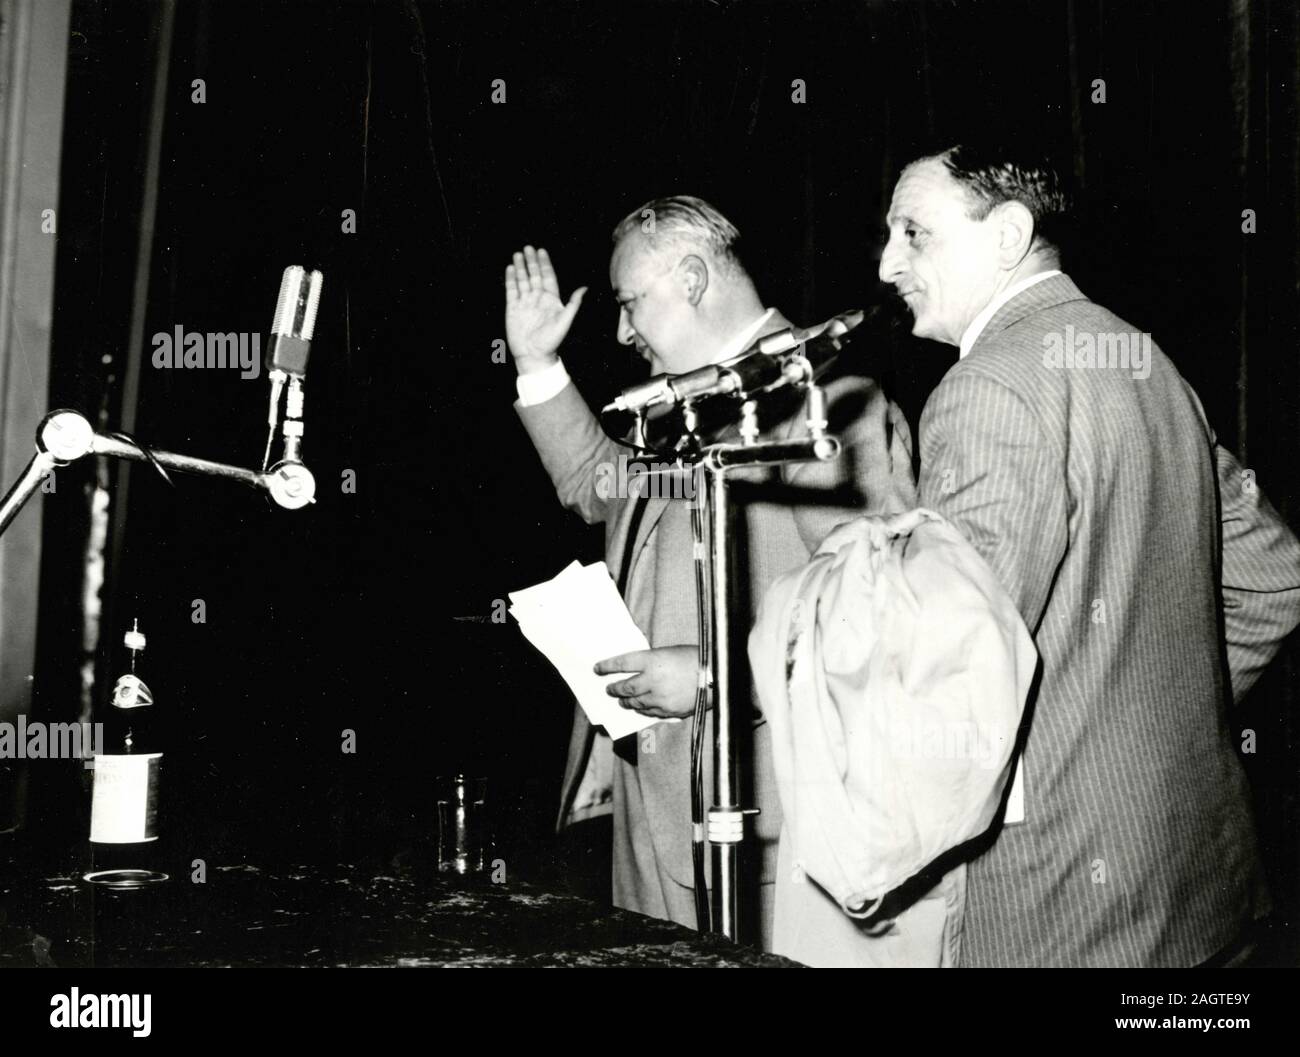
(725, 829)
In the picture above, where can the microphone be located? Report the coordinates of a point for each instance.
(651, 393)
(769, 363)
(295, 321)
(286, 356)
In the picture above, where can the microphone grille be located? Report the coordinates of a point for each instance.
(286, 305)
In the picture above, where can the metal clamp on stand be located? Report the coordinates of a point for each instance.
(727, 825)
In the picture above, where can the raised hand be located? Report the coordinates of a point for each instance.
(536, 319)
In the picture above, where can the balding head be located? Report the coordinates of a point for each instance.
(681, 288)
(682, 224)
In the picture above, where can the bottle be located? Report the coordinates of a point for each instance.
(125, 851)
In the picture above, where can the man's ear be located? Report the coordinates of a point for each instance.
(693, 274)
(1015, 234)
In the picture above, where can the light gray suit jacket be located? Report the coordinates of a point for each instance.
(785, 516)
(1124, 534)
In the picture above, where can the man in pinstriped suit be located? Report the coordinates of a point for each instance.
(1092, 484)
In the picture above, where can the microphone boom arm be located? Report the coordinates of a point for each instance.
(64, 436)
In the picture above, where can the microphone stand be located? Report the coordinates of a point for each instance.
(64, 436)
(725, 827)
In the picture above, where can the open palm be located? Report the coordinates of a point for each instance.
(537, 321)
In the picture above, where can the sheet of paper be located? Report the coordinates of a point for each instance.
(576, 619)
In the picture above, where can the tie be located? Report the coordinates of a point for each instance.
(629, 545)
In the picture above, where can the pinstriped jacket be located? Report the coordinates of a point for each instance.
(1122, 531)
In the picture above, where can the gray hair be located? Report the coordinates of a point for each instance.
(684, 220)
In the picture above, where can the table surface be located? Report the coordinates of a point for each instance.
(336, 915)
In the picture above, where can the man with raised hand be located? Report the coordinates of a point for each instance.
(685, 301)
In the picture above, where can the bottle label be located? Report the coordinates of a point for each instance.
(124, 804)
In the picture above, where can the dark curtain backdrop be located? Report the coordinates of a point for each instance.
(372, 611)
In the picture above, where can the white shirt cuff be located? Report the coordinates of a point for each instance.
(541, 386)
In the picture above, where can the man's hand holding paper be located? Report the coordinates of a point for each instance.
(578, 619)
